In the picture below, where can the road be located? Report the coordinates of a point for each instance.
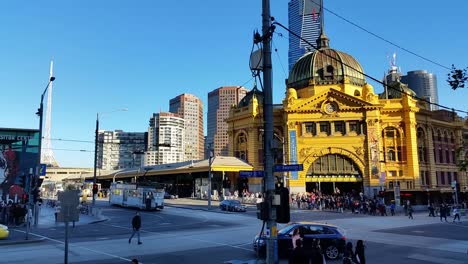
(178, 235)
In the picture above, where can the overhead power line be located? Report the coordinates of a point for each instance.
(368, 76)
(386, 40)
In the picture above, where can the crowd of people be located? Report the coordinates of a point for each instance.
(12, 214)
(356, 203)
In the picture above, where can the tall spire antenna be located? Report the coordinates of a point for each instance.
(321, 17)
(47, 156)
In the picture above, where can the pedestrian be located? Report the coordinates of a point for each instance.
(134, 261)
(410, 212)
(136, 225)
(348, 255)
(392, 209)
(296, 236)
(431, 210)
(456, 213)
(443, 212)
(359, 251)
(299, 256)
(316, 255)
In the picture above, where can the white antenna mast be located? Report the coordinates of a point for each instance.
(47, 156)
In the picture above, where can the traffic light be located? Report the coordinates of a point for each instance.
(36, 195)
(282, 210)
(95, 189)
(262, 211)
(21, 180)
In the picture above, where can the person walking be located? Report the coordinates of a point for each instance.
(296, 237)
(299, 255)
(359, 251)
(348, 255)
(134, 261)
(136, 224)
(456, 213)
(431, 210)
(392, 209)
(410, 212)
(443, 212)
(316, 255)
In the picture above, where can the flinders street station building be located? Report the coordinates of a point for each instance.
(349, 138)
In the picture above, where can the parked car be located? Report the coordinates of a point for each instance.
(232, 205)
(4, 232)
(169, 196)
(332, 239)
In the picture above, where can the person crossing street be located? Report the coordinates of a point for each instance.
(136, 224)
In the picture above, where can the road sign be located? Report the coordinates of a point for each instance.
(42, 169)
(250, 174)
(69, 201)
(289, 167)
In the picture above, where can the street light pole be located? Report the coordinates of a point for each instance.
(210, 162)
(96, 135)
(40, 112)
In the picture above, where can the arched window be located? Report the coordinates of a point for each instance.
(392, 143)
(357, 93)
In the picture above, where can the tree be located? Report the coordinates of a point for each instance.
(457, 77)
(462, 162)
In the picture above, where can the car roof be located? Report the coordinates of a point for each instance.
(313, 223)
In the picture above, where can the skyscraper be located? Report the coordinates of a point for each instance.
(424, 84)
(166, 135)
(304, 20)
(219, 103)
(190, 108)
(119, 150)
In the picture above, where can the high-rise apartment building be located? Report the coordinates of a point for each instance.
(190, 108)
(119, 150)
(219, 103)
(424, 84)
(165, 139)
(304, 20)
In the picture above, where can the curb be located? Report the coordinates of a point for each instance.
(21, 242)
(99, 221)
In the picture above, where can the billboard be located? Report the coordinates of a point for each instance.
(19, 157)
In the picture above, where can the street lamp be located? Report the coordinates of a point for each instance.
(210, 162)
(96, 149)
(39, 112)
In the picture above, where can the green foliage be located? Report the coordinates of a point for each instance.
(457, 77)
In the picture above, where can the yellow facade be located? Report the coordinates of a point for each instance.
(345, 135)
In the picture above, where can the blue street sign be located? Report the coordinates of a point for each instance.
(42, 169)
(250, 174)
(288, 167)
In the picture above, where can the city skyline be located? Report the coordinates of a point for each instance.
(108, 56)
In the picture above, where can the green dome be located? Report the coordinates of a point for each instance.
(250, 95)
(325, 66)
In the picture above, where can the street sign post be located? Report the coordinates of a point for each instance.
(68, 211)
(42, 169)
(288, 167)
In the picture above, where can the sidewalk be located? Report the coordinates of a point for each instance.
(46, 220)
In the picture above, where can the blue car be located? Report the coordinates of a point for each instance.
(332, 239)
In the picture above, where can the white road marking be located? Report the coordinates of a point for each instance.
(72, 245)
(434, 259)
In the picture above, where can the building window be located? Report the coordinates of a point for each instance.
(340, 127)
(391, 155)
(310, 128)
(449, 177)
(325, 127)
(441, 156)
(442, 177)
(353, 126)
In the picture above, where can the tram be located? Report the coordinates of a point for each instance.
(148, 196)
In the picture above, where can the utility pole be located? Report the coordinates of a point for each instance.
(268, 127)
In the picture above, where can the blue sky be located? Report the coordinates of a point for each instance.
(140, 54)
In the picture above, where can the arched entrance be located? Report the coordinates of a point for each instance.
(332, 172)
